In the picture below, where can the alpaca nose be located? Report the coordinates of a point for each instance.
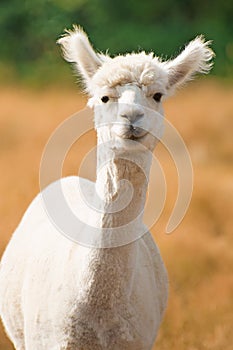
(132, 116)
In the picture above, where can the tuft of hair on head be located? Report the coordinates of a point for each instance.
(195, 58)
(77, 49)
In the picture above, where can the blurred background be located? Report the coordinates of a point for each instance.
(38, 92)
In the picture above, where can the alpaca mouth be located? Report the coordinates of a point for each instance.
(134, 133)
(135, 138)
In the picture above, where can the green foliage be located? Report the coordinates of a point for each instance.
(29, 30)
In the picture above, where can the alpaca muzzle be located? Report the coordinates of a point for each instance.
(129, 131)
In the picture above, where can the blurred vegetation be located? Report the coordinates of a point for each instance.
(29, 30)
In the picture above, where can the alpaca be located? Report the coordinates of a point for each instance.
(56, 294)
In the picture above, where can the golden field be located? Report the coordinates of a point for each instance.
(198, 254)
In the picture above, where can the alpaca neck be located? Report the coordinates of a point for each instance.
(109, 271)
(121, 184)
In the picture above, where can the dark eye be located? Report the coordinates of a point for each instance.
(157, 97)
(105, 99)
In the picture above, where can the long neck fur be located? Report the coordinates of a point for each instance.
(121, 176)
(110, 273)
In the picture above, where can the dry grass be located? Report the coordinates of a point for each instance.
(198, 255)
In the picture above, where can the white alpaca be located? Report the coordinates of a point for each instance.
(57, 294)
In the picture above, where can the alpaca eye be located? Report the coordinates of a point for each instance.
(105, 99)
(157, 97)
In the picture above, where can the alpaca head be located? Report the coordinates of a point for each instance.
(127, 91)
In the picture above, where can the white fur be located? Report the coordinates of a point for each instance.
(57, 294)
(196, 58)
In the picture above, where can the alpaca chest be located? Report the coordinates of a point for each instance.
(111, 311)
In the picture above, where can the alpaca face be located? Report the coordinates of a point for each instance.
(129, 113)
(127, 94)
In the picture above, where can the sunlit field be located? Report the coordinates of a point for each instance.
(198, 254)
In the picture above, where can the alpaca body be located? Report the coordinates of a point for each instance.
(96, 298)
(107, 291)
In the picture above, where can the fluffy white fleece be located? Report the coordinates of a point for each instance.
(56, 294)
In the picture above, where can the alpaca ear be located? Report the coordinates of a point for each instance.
(195, 58)
(78, 50)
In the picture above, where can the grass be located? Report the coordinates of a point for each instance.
(198, 255)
